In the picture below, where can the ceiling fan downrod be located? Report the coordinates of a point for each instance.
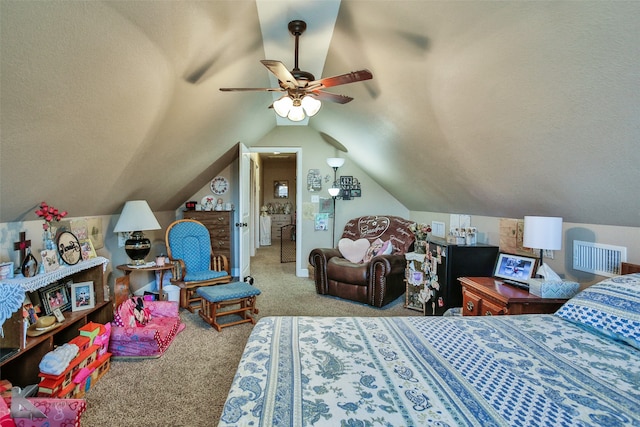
(296, 28)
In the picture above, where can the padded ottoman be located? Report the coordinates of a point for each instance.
(217, 297)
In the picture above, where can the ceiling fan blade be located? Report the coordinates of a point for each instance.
(332, 141)
(331, 97)
(280, 71)
(352, 77)
(254, 89)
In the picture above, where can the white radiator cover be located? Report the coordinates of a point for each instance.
(598, 258)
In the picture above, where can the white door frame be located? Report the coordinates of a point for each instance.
(300, 272)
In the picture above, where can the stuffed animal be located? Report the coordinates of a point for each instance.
(140, 314)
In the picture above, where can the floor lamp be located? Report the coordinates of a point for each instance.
(334, 192)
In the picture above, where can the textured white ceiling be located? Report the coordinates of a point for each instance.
(491, 108)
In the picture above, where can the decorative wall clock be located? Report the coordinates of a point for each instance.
(219, 185)
(69, 248)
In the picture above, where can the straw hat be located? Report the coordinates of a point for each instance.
(43, 325)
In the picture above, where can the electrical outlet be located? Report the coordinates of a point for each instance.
(548, 253)
(122, 238)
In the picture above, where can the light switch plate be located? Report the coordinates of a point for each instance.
(315, 199)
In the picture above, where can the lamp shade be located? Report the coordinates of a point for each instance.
(542, 232)
(333, 191)
(283, 105)
(136, 216)
(311, 105)
(335, 162)
(296, 114)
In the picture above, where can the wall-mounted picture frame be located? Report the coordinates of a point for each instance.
(82, 296)
(356, 192)
(54, 296)
(281, 189)
(50, 260)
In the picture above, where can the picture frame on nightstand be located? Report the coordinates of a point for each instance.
(515, 267)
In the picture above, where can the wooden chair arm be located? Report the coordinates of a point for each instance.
(178, 271)
(219, 263)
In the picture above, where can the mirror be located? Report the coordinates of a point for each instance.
(281, 189)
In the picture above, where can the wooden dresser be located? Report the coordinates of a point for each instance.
(277, 222)
(220, 225)
(486, 296)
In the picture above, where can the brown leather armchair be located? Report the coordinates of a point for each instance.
(376, 282)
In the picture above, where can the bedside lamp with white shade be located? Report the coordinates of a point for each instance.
(543, 233)
(135, 218)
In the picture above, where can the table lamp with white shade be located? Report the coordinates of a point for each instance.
(543, 233)
(135, 218)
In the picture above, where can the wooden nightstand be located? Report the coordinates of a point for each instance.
(487, 296)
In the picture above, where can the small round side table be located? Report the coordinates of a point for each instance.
(161, 268)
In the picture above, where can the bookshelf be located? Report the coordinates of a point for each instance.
(21, 367)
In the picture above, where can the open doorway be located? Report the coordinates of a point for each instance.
(277, 204)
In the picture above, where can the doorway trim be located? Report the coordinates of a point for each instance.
(300, 272)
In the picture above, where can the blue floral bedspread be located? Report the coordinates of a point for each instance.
(433, 371)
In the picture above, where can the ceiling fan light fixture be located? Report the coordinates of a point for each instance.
(296, 114)
(311, 105)
(283, 106)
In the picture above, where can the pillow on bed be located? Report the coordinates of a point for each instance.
(611, 307)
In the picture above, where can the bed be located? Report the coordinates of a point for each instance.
(579, 366)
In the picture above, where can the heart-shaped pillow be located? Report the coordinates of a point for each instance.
(354, 251)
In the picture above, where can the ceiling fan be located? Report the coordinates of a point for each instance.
(303, 93)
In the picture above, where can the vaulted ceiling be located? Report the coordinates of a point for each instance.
(503, 108)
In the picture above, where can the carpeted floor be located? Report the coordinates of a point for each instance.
(188, 385)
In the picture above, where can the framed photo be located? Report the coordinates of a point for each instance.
(82, 296)
(515, 267)
(87, 250)
(346, 180)
(356, 192)
(59, 316)
(54, 296)
(49, 260)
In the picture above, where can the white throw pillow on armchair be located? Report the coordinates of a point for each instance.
(352, 250)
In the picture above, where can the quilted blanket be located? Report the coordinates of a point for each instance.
(445, 371)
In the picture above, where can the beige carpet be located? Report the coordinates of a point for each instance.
(188, 385)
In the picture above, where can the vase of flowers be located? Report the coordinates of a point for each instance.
(49, 214)
(421, 231)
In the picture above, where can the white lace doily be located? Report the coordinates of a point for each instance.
(12, 290)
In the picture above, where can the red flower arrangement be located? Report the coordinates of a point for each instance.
(49, 214)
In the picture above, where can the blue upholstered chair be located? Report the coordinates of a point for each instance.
(195, 265)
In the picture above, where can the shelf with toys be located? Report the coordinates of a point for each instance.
(23, 353)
